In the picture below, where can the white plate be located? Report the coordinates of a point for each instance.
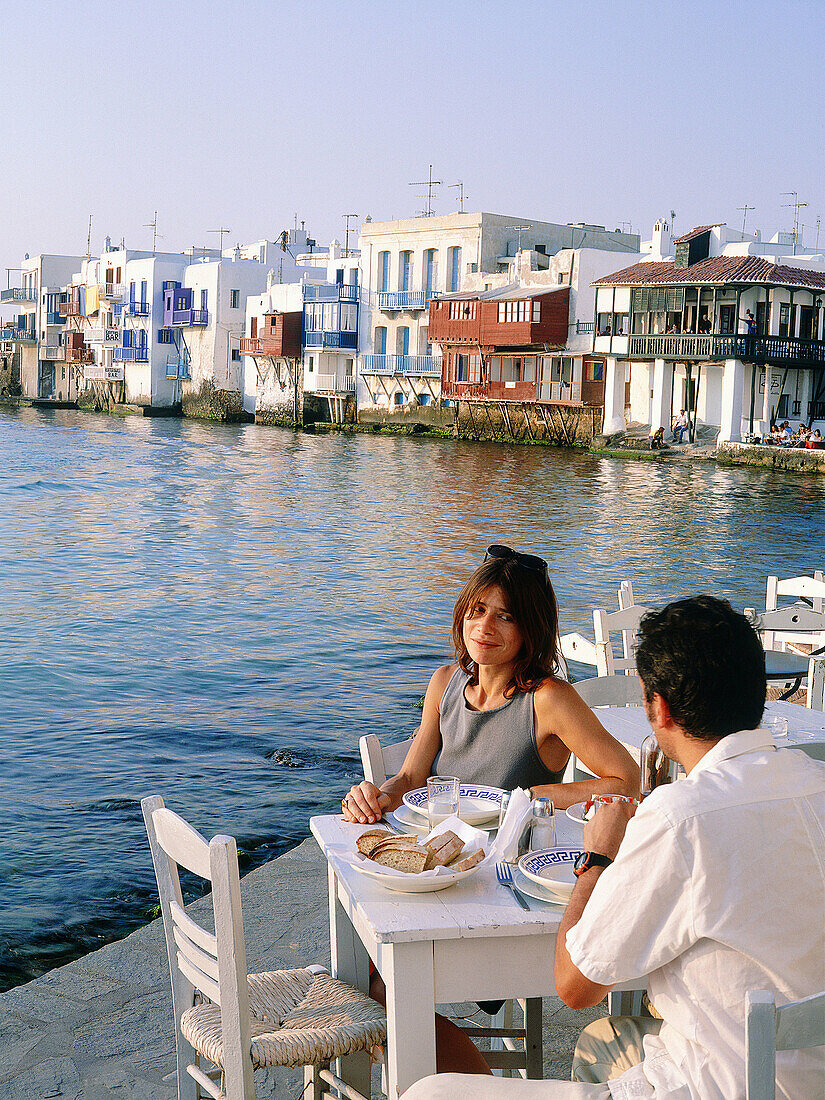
(405, 818)
(477, 804)
(533, 890)
(576, 812)
(551, 869)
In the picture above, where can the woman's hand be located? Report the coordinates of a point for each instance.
(365, 803)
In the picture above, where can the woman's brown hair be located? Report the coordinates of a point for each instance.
(532, 603)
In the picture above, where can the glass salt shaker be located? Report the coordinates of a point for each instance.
(502, 810)
(543, 825)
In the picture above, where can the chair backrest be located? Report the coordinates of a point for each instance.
(381, 761)
(769, 1029)
(805, 588)
(625, 621)
(626, 595)
(214, 965)
(610, 691)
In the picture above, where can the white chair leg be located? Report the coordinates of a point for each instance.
(313, 1085)
(503, 1018)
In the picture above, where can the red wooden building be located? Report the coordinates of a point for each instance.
(280, 338)
(495, 343)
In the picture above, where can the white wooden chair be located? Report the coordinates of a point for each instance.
(381, 761)
(625, 621)
(768, 1029)
(575, 647)
(790, 627)
(611, 691)
(800, 588)
(237, 1022)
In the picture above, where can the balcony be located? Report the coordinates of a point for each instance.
(331, 292)
(417, 365)
(182, 317)
(112, 292)
(102, 335)
(345, 340)
(137, 309)
(79, 354)
(781, 350)
(177, 365)
(394, 300)
(328, 383)
(70, 308)
(18, 335)
(18, 294)
(53, 352)
(585, 327)
(54, 317)
(131, 355)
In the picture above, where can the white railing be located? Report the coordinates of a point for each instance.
(52, 351)
(328, 383)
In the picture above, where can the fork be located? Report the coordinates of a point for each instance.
(505, 877)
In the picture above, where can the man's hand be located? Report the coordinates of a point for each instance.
(365, 803)
(605, 832)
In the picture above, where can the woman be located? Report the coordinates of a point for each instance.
(501, 715)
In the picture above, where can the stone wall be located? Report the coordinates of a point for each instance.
(527, 422)
(209, 403)
(408, 416)
(780, 458)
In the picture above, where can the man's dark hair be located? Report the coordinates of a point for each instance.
(707, 663)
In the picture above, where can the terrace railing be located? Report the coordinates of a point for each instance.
(393, 300)
(330, 292)
(131, 355)
(429, 365)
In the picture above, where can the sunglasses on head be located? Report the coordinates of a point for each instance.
(526, 561)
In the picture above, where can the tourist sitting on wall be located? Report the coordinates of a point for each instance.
(815, 441)
(680, 425)
(687, 891)
(657, 439)
(802, 433)
(504, 715)
(785, 434)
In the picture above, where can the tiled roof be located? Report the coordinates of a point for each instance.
(695, 232)
(716, 269)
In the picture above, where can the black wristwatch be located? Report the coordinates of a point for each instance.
(590, 859)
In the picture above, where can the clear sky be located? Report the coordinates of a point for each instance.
(244, 114)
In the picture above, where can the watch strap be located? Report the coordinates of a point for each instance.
(590, 859)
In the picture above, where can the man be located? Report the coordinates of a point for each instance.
(680, 426)
(715, 887)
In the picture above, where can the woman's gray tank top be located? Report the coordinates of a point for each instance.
(495, 747)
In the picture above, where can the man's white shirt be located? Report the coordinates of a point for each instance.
(718, 888)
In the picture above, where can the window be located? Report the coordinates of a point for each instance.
(620, 324)
(495, 368)
(501, 308)
(203, 299)
(236, 355)
(234, 299)
(405, 272)
(143, 292)
(349, 318)
(380, 340)
(536, 311)
(594, 371)
(339, 277)
(462, 368)
(424, 398)
(383, 271)
(348, 367)
(165, 336)
(311, 364)
(398, 398)
(454, 268)
(529, 368)
(430, 271)
(604, 324)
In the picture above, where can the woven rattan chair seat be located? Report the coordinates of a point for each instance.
(298, 1018)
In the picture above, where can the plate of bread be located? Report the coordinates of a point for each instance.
(413, 864)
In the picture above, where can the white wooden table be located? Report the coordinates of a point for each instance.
(630, 725)
(469, 942)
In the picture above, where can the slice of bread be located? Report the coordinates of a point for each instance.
(444, 849)
(402, 857)
(368, 841)
(394, 841)
(470, 861)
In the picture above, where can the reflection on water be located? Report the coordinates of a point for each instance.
(217, 613)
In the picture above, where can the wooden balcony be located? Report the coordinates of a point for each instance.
(281, 337)
(784, 351)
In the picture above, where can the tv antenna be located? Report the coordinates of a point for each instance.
(222, 231)
(429, 183)
(521, 229)
(796, 206)
(745, 210)
(346, 218)
(818, 219)
(89, 240)
(153, 225)
(461, 195)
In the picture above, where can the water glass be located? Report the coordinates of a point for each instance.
(778, 727)
(442, 798)
(502, 810)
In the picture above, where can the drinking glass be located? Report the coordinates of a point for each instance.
(778, 727)
(442, 798)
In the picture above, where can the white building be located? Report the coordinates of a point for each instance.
(405, 263)
(330, 330)
(725, 326)
(33, 326)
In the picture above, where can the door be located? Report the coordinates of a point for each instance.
(761, 318)
(806, 322)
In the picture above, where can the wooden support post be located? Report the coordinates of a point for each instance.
(506, 416)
